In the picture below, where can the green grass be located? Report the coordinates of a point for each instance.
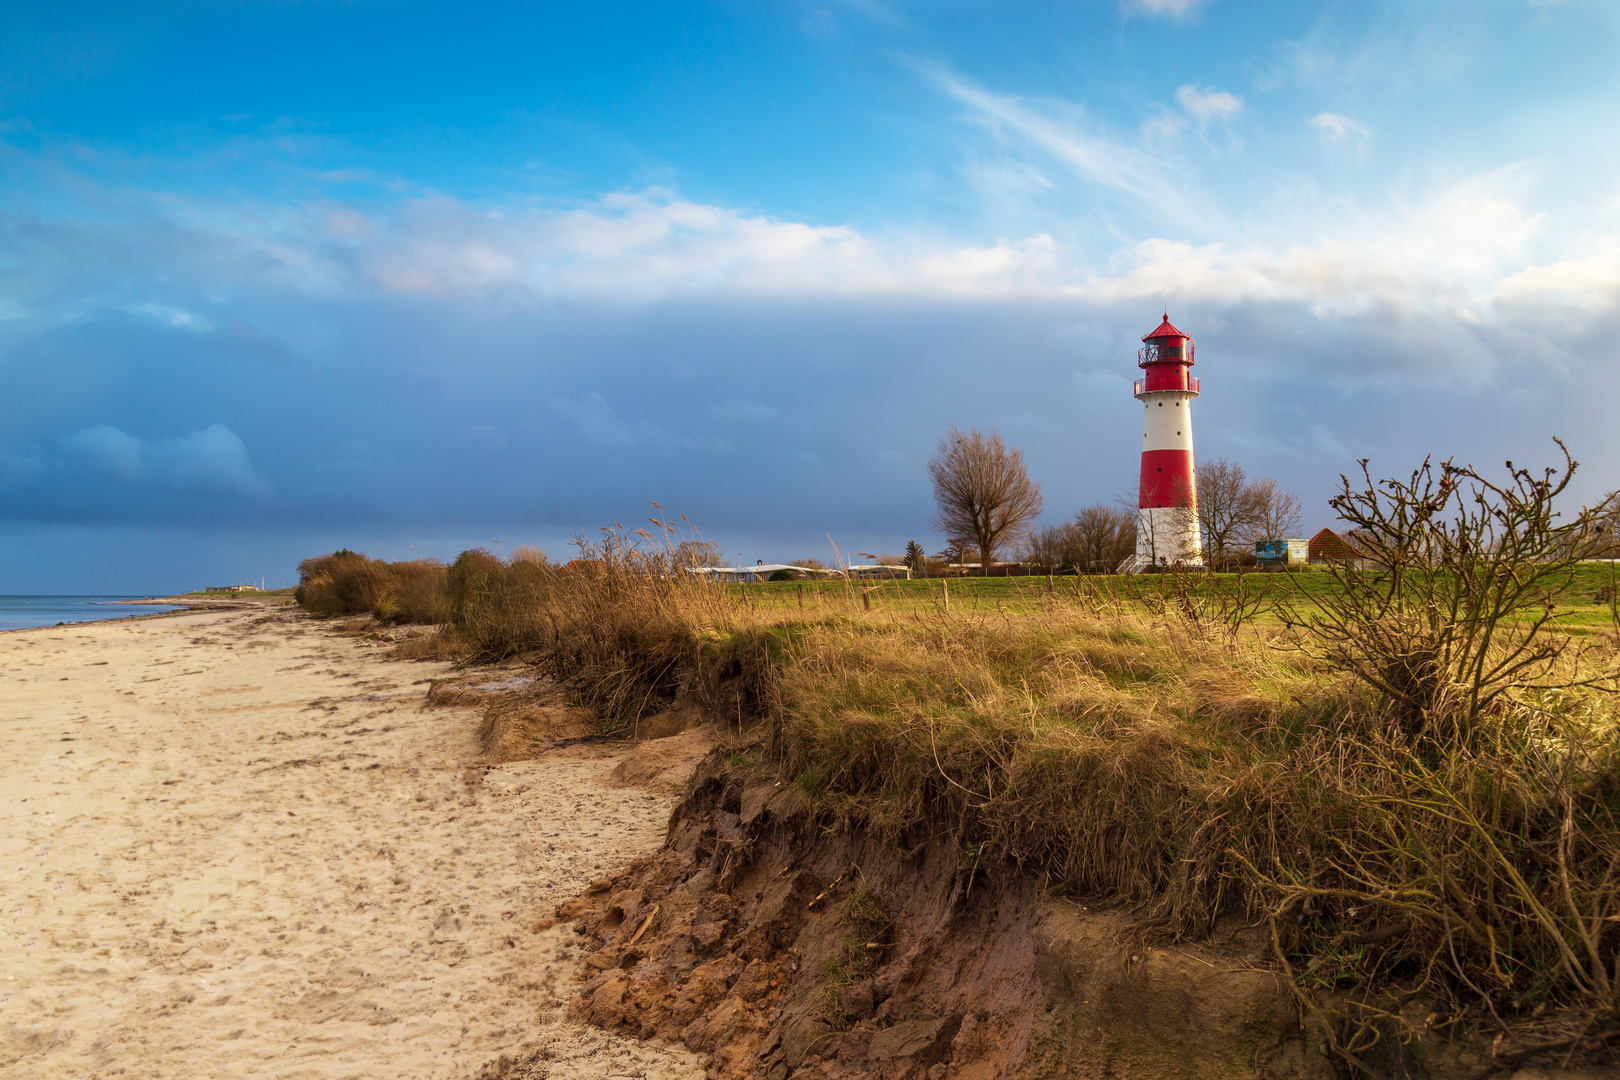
(277, 595)
(1580, 612)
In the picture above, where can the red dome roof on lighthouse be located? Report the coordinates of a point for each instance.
(1165, 330)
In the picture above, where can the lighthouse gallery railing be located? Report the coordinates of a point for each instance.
(1140, 386)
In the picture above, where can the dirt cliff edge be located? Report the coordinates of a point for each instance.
(780, 950)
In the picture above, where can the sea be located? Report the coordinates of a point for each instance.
(23, 612)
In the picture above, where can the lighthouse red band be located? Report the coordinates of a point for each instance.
(1167, 518)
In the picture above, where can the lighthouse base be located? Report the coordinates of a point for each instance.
(1166, 539)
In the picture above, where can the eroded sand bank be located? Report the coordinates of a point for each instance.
(233, 844)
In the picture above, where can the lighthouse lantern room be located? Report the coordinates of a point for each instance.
(1167, 515)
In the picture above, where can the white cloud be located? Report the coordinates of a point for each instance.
(1478, 254)
(1208, 104)
(1335, 128)
(173, 317)
(1173, 9)
(1163, 125)
(1060, 131)
(1587, 283)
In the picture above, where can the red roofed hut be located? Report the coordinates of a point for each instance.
(1328, 546)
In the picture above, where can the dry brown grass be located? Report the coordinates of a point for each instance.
(1170, 762)
(347, 583)
(1173, 757)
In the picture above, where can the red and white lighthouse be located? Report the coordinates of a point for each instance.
(1167, 518)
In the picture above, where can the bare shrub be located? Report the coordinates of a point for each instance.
(1225, 512)
(499, 609)
(639, 630)
(348, 583)
(1456, 609)
(984, 494)
(1051, 547)
(1098, 539)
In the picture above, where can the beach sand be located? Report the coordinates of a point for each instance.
(234, 843)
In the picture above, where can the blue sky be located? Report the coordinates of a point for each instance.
(411, 277)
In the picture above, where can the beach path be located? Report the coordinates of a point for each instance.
(236, 844)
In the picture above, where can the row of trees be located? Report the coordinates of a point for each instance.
(987, 505)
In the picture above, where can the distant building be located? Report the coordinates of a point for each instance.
(760, 571)
(1167, 490)
(879, 570)
(1280, 554)
(997, 569)
(231, 588)
(1328, 546)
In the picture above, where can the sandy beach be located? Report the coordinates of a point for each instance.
(234, 843)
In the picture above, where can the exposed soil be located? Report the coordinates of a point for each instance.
(778, 950)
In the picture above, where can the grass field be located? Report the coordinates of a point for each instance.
(276, 595)
(1579, 609)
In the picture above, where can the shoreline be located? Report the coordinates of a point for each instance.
(182, 605)
(110, 619)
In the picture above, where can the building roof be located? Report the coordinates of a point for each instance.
(1328, 544)
(758, 568)
(1165, 330)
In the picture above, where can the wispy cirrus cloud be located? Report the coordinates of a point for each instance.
(1205, 104)
(1063, 133)
(1171, 9)
(1335, 128)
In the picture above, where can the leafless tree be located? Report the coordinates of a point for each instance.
(1274, 511)
(1106, 537)
(691, 553)
(1234, 511)
(1098, 539)
(983, 491)
(1225, 508)
(1052, 546)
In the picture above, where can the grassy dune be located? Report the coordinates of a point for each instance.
(1188, 745)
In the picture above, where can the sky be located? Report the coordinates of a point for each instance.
(409, 278)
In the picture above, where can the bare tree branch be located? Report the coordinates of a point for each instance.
(983, 491)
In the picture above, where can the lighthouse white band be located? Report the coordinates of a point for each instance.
(1166, 536)
(1167, 420)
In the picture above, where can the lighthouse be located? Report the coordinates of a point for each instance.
(1167, 514)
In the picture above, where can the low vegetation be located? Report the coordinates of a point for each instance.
(1409, 775)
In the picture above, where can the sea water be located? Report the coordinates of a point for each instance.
(21, 612)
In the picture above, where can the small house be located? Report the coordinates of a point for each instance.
(1328, 547)
(1281, 554)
